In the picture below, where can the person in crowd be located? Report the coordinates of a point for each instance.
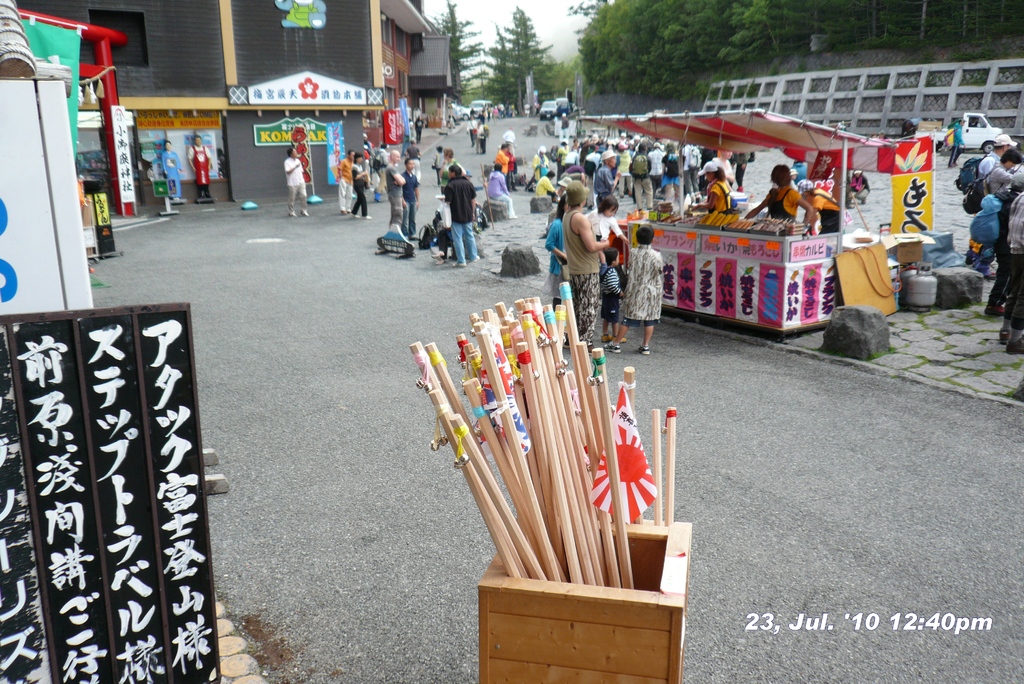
(481, 137)
(693, 165)
(497, 190)
(412, 153)
(640, 169)
(783, 200)
(509, 136)
(740, 168)
(503, 161)
(826, 205)
(437, 163)
(343, 172)
(554, 242)
(724, 163)
(473, 127)
(447, 161)
(624, 179)
(572, 157)
(410, 199)
(607, 177)
(560, 154)
(1013, 317)
(541, 163)
(394, 183)
(584, 263)
(603, 218)
(800, 169)
(546, 185)
(591, 164)
(670, 179)
(460, 195)
(296, 183)
(641, 305)
(656, 157)
(976, 257)
(996, 305)
(420, 123)
(1003, 172)
(859, 188)
(360, 181)
(718, 198)
(611, 293)
(958, 143)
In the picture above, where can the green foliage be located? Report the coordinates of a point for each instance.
(465, 53)
(516, 53)
(668, 47)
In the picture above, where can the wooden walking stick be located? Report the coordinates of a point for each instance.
(619, 510)
(659, 498)
(670, 465)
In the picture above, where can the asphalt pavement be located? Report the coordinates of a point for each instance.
(812, 487)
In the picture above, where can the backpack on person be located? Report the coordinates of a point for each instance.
(590, 167)
(974, 195)
(985, 225)
(640, 166)
(672, 166)
(968, 174)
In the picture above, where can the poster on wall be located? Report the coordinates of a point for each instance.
(335, 150)
(394, 131)
(403, 106)
(912, 185)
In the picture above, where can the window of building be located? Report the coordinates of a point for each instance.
(385, 30)
(403, 83)
(400, 41)
(133, 25)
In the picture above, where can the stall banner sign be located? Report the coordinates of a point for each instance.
(686, 277)
(403, 107)
(822, 247)
(725, 287)
(279, 133)
(747, 291)
(308, 89)
(672, 239)
(742, 247)
(123, 154)
(394, 132)
(669, 277)
(705, 284)
(299, 139)
(913, 186)
(335, 150)
(164, 120)
(100, 427)
(771, 287)
(824, 165)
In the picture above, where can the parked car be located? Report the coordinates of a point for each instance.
(476, 106)
(563, 107)
(548, 109)
(460, 113)
(978, 133)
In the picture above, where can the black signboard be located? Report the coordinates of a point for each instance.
(109, 438)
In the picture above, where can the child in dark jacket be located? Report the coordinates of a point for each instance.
(611, 293)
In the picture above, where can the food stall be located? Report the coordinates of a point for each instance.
(763, 273)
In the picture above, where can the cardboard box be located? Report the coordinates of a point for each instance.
(539, 631)
(907, 248)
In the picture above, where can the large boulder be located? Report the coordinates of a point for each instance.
(496, 211)
(858, 332)
(540, 205)
(958, 287)
(1019, 394)
(518, 261)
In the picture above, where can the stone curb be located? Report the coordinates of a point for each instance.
(866, 366)
(236, 666)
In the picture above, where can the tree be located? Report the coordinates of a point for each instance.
(465, 53)
(517, 52)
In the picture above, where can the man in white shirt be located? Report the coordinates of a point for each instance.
(296, 183)
(656, 156)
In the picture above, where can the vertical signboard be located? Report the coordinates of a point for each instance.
(335, 150)
(913, 186)
(99, 408)
(300, 141)
(122, 155)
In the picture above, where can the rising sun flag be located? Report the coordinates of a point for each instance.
(637, 482)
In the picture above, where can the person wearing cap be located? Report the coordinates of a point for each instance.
(719, 198)
(497, 190)
(606, 177)
(824, 203)
(541, 163)
(783, 200)
(996, 305)
(584, 262)
(1002, 143)
(1012, 331)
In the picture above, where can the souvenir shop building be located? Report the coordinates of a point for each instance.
(226, 81)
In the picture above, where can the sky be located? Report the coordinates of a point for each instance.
(551, 19)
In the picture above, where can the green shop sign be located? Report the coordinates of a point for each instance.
(280, 132)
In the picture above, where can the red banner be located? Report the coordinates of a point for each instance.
(394, 131)
(301, 144)
(824, 164)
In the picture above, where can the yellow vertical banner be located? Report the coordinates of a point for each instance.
(912, 186)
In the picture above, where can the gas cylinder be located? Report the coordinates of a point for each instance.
(921, 289)
(901, 284)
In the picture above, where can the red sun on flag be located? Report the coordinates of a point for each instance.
(637, 482)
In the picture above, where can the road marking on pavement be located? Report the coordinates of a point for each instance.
(136, 224)
(264, 241)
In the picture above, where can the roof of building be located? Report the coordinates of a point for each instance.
(433, 62)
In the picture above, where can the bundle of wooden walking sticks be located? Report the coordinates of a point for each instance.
(544, 424)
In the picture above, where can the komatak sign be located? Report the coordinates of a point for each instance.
(912, 186)
(279, 133)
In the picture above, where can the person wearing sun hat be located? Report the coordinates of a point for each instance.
(719, 198)
(606, 176)
(582, 249)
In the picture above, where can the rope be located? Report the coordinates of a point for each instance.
(565, 289)
(436, 359)
(421, 360)
(597, 363)
(524, 359)
(440, 439)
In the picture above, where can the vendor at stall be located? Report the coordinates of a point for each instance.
(718, 188)
(783, 200)
(824, 203)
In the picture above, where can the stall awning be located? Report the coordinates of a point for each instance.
(756, 129)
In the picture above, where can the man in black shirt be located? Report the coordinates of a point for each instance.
(461, 197)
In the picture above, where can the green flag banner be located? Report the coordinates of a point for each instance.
(51, 41)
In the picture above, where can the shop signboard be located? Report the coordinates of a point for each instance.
(306, 89)
(164, 120)
(101, 219)
(123, 154)
(103, 474)
(913, 186)
(279, 133)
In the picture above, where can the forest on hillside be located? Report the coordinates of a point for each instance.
(672, 48)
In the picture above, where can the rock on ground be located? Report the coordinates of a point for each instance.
(518, 261)
(1019, 393)
(540, 205)
(496, 211)
(958, 287)
(858, 332)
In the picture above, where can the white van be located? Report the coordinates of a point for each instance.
(478, 105)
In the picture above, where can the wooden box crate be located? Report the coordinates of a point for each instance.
(536, 631)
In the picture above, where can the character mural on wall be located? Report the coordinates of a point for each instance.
(303, 13)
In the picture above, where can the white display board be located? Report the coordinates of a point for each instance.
(43, 266)
(122, 155)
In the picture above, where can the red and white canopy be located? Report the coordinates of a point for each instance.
(757, 129)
